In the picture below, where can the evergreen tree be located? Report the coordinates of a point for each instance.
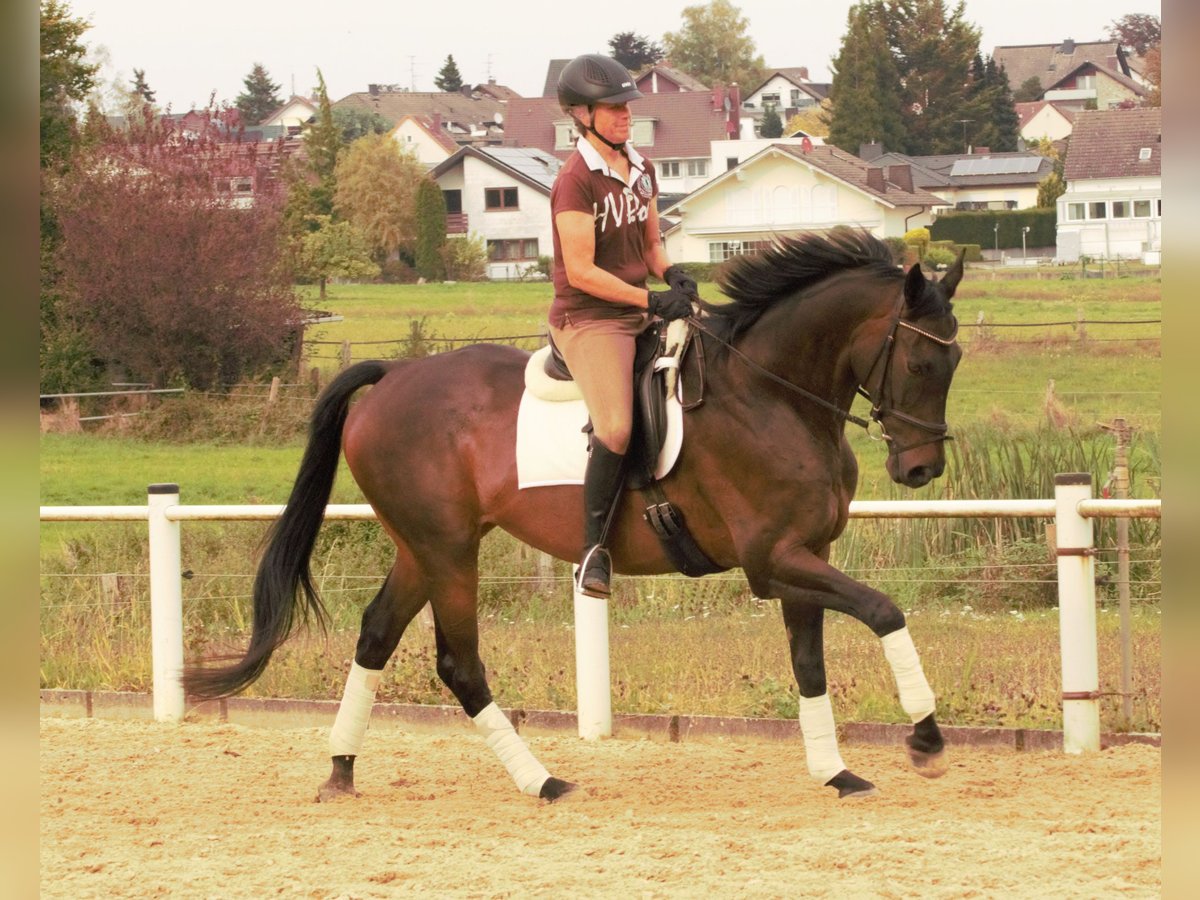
(140, 87)
(428, 259)
(66, 79)
(770, 126)
(260, 98)
(449, 78)
(1030, 89)
(322, 143)
(989, 115)
(634, 51)
(933, 50)
(713, 46)
(864, 95)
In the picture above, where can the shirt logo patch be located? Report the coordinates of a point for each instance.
(644, 186)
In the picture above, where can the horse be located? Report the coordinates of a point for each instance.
(765, 476)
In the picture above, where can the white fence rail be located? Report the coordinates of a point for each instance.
(1072, 508)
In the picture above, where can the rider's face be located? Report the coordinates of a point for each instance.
(612, 120)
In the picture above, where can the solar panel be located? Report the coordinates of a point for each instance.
(1004, 165)
(534, 164)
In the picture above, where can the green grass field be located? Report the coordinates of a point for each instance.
(979, 596)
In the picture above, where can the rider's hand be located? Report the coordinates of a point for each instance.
(669, 305)
(681, 281)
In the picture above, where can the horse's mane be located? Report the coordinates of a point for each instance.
(756, 281)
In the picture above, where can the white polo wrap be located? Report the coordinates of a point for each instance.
(820, 737)
(354, 712)
(916, 696)
(526, 771)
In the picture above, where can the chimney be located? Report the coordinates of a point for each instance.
(718, 97)
(804, 73)
(875, 179)
(733, 119)
(437, 123)
(373, 90)
(868, 152)
(981, 151)
(1068, 47)
(901, 176)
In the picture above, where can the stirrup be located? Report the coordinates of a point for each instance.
(595, 573)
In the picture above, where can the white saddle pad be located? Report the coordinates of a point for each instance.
(552, 448)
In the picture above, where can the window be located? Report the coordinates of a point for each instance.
(669, 168)
(499, 198)
(1097, 209)
(1085, 83)
(510, 250)
(1144, 153)
(697, 168)
(730, 163)
(564, 135)
(1075, 212)
(1120, 209)
(795, 96)
(641, 132)
(453, 201)
(770, 100)
(719, 251)
(1141, 209)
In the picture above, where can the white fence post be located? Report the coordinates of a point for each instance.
(592, 685)
(166, 603)
(1077, 614)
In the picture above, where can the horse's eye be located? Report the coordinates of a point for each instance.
(918, 368)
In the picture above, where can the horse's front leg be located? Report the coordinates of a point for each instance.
(805, 630)
(802, 576)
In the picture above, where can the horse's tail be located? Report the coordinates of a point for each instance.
(285, 563)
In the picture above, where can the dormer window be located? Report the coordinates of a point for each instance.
(1144, 153)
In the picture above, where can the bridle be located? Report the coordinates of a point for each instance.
(880, 408)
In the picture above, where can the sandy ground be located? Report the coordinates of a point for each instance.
(139, 809)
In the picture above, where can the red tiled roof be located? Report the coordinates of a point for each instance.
(1049, 62)
(1108, 143)
(686, 122)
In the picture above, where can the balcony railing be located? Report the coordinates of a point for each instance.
(456, 223)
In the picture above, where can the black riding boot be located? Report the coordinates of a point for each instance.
(601, 491)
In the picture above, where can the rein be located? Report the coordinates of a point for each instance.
(878, 409)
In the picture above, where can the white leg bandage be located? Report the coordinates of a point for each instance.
(916, 696)
(526, 771)
(354, 712)
(820, 738)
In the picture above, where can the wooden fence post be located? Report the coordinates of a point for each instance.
(345, 354)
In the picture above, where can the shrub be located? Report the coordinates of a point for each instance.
(466, 259)
(939, 256)
(898, 247)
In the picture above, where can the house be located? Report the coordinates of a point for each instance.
(787, 187)
(425, 138)
(293, 115)
(662, 79)
(1112, 207)
(467, 116)
(674, 130)
(501, 194)
(1073, 72)
(978, 180)
(1045, 120)
(788, 90)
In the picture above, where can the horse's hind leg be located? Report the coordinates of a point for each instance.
(383, 624)
(462, 671)
(805, 629)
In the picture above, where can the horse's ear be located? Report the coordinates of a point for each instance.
(954, 275)
(914, 285)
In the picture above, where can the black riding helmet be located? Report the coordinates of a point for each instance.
(590, 79)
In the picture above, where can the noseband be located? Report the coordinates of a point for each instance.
(881, 407)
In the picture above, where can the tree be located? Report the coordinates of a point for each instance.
(634, 51)
(66, 80)
(140, 88)
(431, 231)
(770, 126)
(812, 120)
(355, 122)
(1053, 185)
(165, 281)
(933, 50)
(323, 143)
(713, 46)
(332, 250)
(1136, 31)
(993, 120)
(449, 78)
(260, 98)
(1153, 74)
(1030, 89)
(864, 96)
(377, 192)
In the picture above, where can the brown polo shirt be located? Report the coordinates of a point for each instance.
(586, 184)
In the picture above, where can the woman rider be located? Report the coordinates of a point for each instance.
(606, 242)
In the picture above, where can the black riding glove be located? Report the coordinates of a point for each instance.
(669, 305)
(680, 280)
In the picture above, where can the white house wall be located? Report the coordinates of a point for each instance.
(530, 220)
(1047, 122)
(412, 137)
(1109, 237)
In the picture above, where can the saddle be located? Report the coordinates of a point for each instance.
(658, 357)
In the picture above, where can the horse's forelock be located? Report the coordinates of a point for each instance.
(792, 263)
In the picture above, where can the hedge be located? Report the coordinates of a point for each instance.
(976, 227)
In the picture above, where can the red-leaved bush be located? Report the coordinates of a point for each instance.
(170, 262)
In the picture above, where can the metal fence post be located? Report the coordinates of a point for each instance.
(166, 604)
(593, 689)
(1077, 614)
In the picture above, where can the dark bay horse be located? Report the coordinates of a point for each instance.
(765, 479)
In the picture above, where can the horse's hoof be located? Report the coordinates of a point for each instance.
(928, 765)
(850, 786)
(554, 788)
(336, 790)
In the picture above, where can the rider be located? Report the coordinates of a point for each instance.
(606, 242)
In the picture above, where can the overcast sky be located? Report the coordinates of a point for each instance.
(188, 49)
